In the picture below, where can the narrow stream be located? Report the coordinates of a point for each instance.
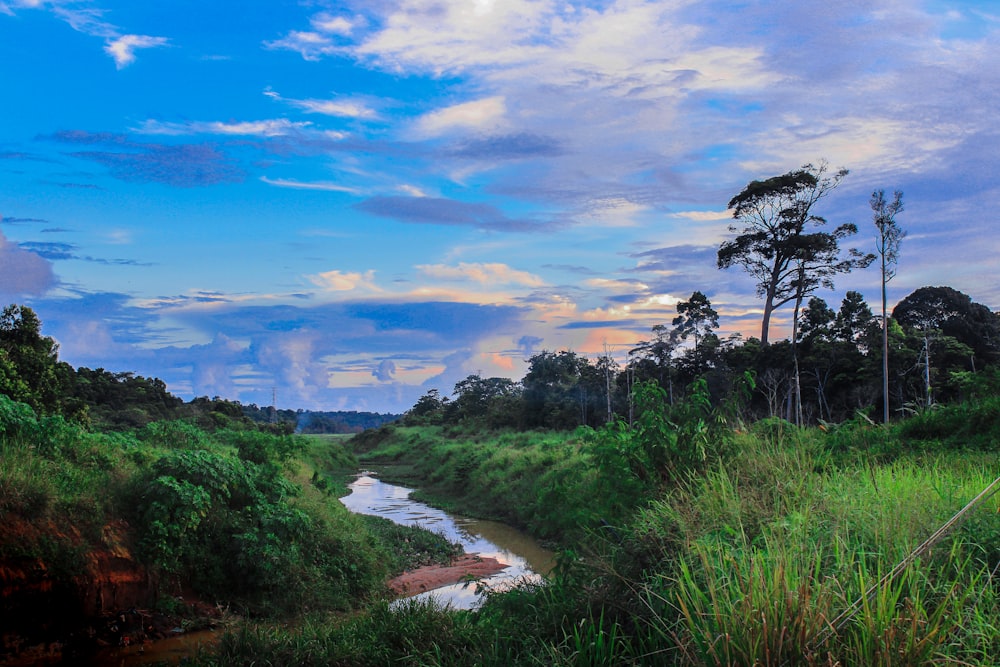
(524, 557)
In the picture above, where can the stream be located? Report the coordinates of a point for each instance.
(522, 554)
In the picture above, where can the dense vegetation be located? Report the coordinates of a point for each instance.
(939, 338)
(766, 544)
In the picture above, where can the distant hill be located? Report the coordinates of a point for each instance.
(307, 421)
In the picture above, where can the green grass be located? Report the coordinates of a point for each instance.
(744, 559)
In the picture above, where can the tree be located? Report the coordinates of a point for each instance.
(32, 372)
(854, 320)
(561, 391)
(696, 316)
(772, 244)
(475, 394)
(889, 236)
(659, 351)
(816, 320)
(953, 313)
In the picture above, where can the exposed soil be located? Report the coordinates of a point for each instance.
(59, 610)
(467, 567)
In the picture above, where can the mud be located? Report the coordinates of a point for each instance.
(468, 567)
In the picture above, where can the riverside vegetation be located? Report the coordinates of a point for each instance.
(743, 554)
(695, 533)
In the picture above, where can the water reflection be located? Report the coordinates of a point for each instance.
(524, 558)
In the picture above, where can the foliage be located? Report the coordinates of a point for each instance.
(225, 519)
(773, 244)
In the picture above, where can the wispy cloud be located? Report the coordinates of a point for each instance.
(314, 185)
(275, 127)
(324, 39)
(486, 274)
(344, 108)
(482, 114)
(339, 281)
(122, 49)
(183, 165)
(90, 20)
(440, 211)
(62, 251)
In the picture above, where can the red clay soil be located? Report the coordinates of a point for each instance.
(464, 568)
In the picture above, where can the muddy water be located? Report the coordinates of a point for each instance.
(524, 557)
(171, 651)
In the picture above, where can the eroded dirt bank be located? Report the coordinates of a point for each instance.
(63, 596)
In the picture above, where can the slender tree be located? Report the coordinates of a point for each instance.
(771, 243)
(695, 316)
(888, 237)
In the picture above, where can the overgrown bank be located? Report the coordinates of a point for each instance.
(746, 557)
(152, 519)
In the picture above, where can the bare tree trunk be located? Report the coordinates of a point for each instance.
(885, 350)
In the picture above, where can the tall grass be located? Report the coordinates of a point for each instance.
(749, 563)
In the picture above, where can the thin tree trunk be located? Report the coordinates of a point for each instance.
(885, 351)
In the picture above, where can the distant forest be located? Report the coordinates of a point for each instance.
(308, 421)
(31, 373)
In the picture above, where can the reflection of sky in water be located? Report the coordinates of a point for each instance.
(520, 553)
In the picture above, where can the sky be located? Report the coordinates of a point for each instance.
(340, 205)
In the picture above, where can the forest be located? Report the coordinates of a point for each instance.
(938, 339)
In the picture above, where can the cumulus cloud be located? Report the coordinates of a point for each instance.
(23, 273)
(527, 345)
(385, 371)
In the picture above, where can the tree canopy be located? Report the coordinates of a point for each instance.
(773, 245)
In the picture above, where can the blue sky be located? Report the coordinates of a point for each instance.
(350, 203)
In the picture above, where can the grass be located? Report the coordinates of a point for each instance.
(746, 560)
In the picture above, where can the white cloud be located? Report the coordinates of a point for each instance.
(412, 190)
(122, 49)
(703, 216)
(346, 108)
(314, 185)
(493, 273)
(614, 285)
(330, 24)
(338, 281)
(310, 45)
(261, 128)
(482, 114)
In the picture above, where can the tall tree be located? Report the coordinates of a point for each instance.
(695, 316)
(888, 237)
(854, 319)
(659, 352)
(771, 243)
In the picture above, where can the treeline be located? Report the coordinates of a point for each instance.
(943, 347)
(308, 421)
(31, 373)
